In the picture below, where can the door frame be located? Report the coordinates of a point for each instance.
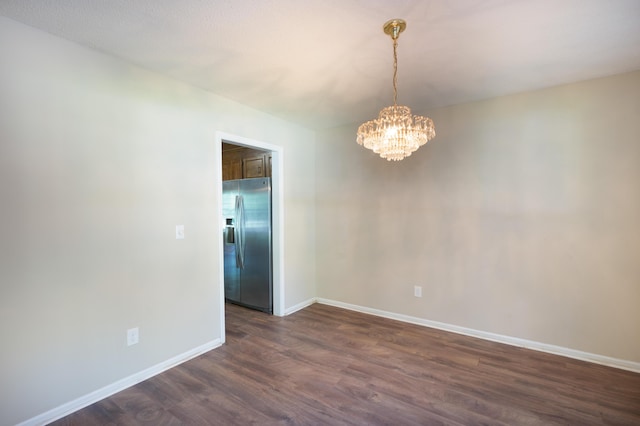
(277, 218)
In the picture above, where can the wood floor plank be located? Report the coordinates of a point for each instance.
(325, 365)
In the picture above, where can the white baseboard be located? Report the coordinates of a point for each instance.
(301, 305)
(105, 392)
(513, 341)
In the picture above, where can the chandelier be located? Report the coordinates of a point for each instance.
(395, 134)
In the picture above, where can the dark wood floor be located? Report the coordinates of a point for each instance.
(325, 365)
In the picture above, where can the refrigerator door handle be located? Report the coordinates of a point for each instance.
(239, 237)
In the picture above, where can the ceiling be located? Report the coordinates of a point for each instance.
(324, 63)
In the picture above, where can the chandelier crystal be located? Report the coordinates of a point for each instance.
(396, 133)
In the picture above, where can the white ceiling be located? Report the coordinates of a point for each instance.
(323, 63)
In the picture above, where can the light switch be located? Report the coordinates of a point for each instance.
(133, 336)
(179, 232)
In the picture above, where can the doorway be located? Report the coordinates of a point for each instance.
(246, 208)
(268, 157)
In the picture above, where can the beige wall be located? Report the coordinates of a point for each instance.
(521, 218)
(99, 161)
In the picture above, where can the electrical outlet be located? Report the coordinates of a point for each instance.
(132, 336)
(179, 232)
(417, 291)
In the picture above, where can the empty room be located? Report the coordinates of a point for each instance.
(353, 212)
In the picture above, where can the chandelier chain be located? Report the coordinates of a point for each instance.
(395, 71)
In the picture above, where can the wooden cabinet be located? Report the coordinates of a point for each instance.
(253, 167)
(232, 170)
(268, 165)
(243, 163)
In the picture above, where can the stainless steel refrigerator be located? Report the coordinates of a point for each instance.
(246, 208)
